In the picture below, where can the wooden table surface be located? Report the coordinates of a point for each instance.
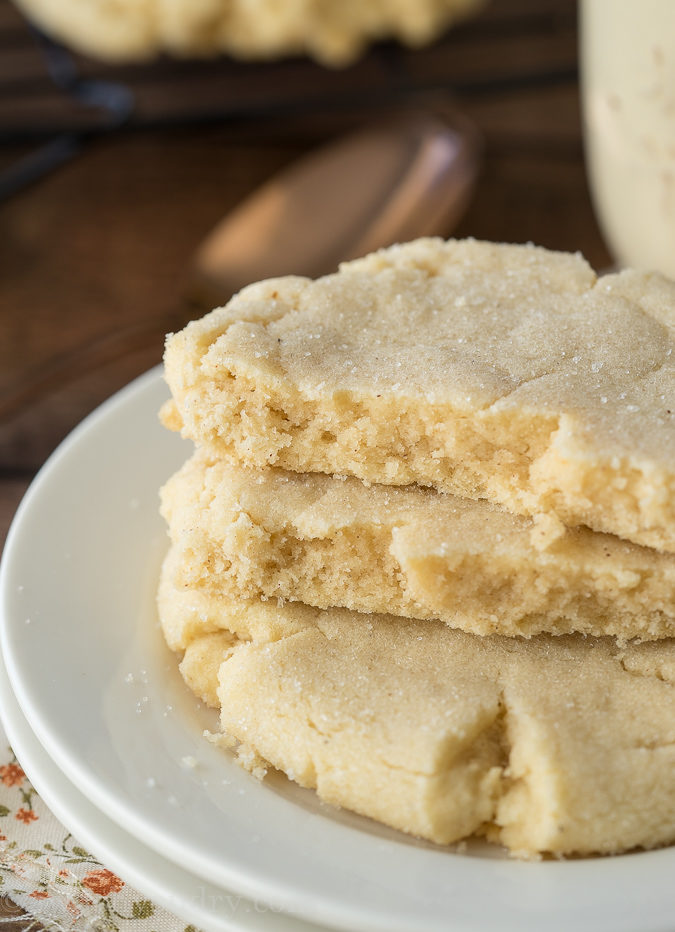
(94, 257)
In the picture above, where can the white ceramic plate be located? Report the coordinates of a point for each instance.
(102, 693)
(193, 899)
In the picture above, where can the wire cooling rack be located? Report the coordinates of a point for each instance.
(53, 101)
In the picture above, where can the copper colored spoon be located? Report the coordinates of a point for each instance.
(407, 177)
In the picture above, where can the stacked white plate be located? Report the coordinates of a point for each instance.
(109, 735)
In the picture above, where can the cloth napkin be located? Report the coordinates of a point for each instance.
(47, 873)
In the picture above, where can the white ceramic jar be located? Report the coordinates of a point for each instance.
(628, 86)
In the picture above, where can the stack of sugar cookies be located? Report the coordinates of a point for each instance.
(423, 559)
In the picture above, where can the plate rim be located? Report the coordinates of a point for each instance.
(67, 803)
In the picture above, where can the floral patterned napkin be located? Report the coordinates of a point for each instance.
(45, 872)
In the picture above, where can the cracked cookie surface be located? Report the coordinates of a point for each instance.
(551, 745)
(506, 373)
(409, 551)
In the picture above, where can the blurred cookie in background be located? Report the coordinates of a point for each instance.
(334, 32)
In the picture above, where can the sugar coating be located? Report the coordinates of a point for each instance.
(506, 373)
(410, 551)
(334, 33)
(551, 745)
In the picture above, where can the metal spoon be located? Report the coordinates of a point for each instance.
(406, 177)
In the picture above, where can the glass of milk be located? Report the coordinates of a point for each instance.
(628, 82)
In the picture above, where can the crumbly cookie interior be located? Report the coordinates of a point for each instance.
(505, 373)
(415, 552)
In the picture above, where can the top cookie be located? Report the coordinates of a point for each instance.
(508, 373)
(333, 33)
